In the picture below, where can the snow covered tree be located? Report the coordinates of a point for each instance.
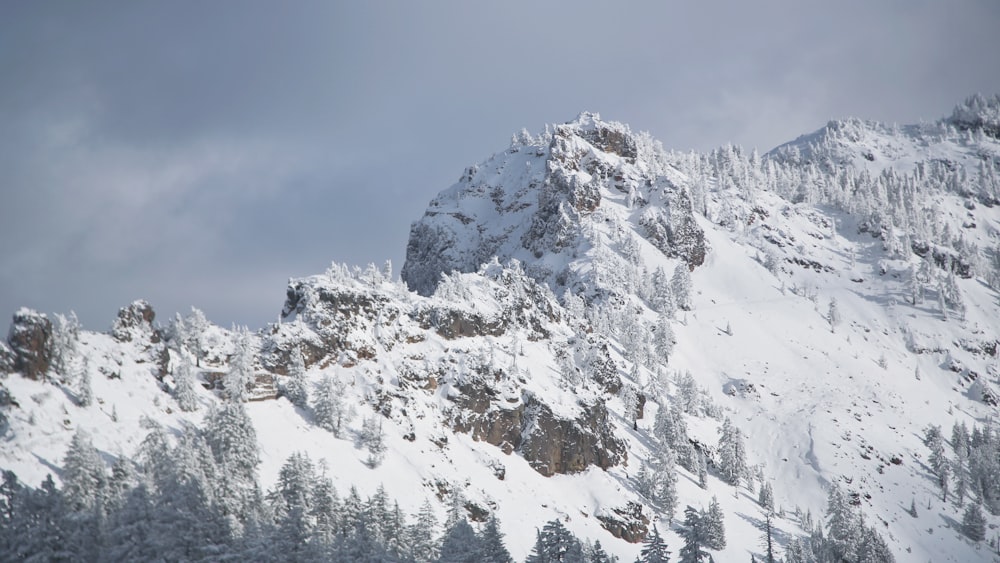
(680, 283)
(663, 338)
(688, 393)
(843, 526)
(768, 538)
(239, 380)
(939, 463)
(595, 554)
(654, 549)
(295, 387)
(662, 294)
(974, 523)
(491, 544)
(184, 387)
(715, 527)
(460, 544)
(732, 454)
(422, 533)
(84, 475)
(372, 438)
(833, 314)
(230, 435)
(292, 502)
(766, 497)
(329, 410)
(695, 538)
(86, 394)
(555, 544)
(196, 325)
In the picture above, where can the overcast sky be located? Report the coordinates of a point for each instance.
(201, 153)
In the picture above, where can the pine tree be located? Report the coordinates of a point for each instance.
(491, 545)
(373, 439)
(732, 454)
(84, 475)
(714, 524)
(681, 285)
(239, 380)
(86, 395)
(556, 544)
(184, 387)
(329, 410)
(974, 523)
(766, 497)
(460, 544)
(196, 325)
(295, 387)
(654, 549)
(694, 536)
(939, 463)
(768, 538)
(422, 534)
(833, 314)
(596, 554)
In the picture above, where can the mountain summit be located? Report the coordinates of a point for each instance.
(546, 200)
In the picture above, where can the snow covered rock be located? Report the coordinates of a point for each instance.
(30, 339)
(540, 200)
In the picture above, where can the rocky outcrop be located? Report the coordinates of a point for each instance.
(30, 340)
(551, 444)
(540, 201)
(135, 321)
(626, 522)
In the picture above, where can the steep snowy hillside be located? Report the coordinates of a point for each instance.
(592, 331)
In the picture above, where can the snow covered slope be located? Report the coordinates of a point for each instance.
(832, 300)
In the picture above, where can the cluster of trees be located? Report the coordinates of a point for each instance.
(846, 537)
(894, 206)
(969, 473)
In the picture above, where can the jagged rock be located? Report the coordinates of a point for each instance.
(134, 320)
(539, 202)
(626, 522)
(549, 443)
(30, 339)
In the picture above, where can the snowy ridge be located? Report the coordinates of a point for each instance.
(831, 306)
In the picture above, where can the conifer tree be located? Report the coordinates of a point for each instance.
(714, 524)
(974, 523)
(184, 387)
(491, 544)
(681, 285)
(732, 454)
(295, 387)
(695, 538)
(329, 411)
(239, 380)
(654, 549)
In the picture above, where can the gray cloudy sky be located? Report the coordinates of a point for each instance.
(200, 153)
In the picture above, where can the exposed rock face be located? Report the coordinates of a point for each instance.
(134, 320)
(30, 340)
(540, 201)
(551, 444)
(626, 522)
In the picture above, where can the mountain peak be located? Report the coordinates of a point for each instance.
(550, 201)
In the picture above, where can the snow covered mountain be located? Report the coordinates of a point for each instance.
(592, 330)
